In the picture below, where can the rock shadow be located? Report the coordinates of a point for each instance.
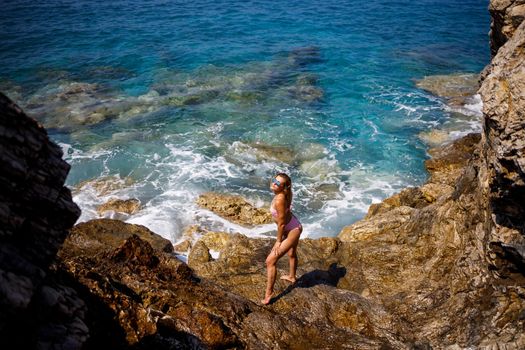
(316, 277)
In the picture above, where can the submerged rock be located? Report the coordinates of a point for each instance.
(435, 137)
(104, 185)
(455, 88)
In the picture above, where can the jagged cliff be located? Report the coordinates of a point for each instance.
(36, 212)
(438, 266)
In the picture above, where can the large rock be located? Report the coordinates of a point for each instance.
(144, 298)
(108, 232)
(455, 88)
(127, 206)
(234, 208)
(36, 212)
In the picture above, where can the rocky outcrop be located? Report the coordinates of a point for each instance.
(126, 206)
(415, 267)
(234, 208)
(506, 16)
(141, 297)
(503, 180)
(454, 88)
(36, 212)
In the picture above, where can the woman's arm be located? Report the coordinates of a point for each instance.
(280, 206)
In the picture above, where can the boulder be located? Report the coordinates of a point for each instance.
(234, 208)
(454, 88)
(127, 206)
(108, 232)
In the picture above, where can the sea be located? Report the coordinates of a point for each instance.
(162, 101)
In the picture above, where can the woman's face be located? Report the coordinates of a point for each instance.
(277, 184)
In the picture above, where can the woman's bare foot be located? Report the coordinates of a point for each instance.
(266, 300)
(289, 279)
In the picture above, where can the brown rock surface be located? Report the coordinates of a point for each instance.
(506, 16)
(455, 88)
(503, 179)
(108, 232)
(234, 208)
(139, 296)
(104, 185)
(127, 206)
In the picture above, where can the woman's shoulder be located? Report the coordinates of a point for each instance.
(279, 198)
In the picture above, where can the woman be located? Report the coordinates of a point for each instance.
(288, 231)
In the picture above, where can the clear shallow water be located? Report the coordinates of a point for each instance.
(172, 99)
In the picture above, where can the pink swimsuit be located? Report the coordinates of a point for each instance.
(292, 224)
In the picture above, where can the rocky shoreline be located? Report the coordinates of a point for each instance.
(439, 266)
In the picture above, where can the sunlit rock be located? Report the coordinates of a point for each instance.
(127, 206)
(234, 208)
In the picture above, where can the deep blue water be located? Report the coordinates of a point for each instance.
(186, 97)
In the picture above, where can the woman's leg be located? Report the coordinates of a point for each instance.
(293, 260)
(271, 262)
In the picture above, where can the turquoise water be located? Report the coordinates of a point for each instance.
(170, 99)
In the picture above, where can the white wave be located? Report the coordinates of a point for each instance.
(473, 107)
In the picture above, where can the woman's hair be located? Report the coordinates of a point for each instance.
(287, 187)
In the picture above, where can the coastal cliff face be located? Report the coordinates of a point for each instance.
(503, 93)
(438, 266)
(506, 16)
(36, 212)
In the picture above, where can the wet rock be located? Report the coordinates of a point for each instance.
(455, 88)
(245, 97)
(434, 137)
(192, 99)
(306, 93)
(320, 168)
(234, 208)
(281, 153)
(260, 152)
(182, 247)
(104, 185)
(127, 206)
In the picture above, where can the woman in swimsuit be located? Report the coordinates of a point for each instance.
(288, 231)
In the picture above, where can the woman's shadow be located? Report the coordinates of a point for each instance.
(329, 277)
